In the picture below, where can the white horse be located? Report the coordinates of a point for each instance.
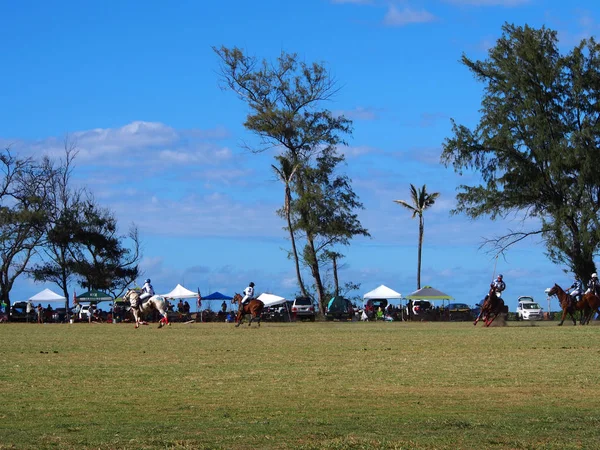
(138, 308)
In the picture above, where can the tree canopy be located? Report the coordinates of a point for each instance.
(536, 144)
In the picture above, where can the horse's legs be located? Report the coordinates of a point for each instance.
(135, 317)
(562, 319)
(164, 320)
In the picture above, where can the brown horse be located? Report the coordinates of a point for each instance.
(591, 307)
(254, 307)
(490, 309)
(568, 304)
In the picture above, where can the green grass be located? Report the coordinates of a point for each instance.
(300, 385)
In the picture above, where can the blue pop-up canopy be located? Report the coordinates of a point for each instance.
(217, 296)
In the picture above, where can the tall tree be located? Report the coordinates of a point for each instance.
(24, 188)
(284, 101)
(536, 144)
(325, 210)
(420, 201)
(286, 172)
(101, 258)
(63, 202)
(81, 241)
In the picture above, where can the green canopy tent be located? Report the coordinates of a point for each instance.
(429, 293)
(94, 297)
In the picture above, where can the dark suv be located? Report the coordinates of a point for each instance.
(18, 312)
(303, 308)
(421, 308)
(339, 308)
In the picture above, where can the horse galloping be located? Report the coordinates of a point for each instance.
(138, 308)
(492, 307)
(254, 307)
(568, 305)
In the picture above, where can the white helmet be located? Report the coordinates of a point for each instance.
(594, 275)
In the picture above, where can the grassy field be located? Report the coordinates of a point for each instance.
(300, 385)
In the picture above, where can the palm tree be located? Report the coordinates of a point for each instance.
(421, 200)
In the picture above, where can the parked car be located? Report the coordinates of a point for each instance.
(303, 308)
(18, 312)
(84, 312)
(458, 311)
(339, 308)
(528, 309)
(278, 313)
(475, 311)
(421, 307)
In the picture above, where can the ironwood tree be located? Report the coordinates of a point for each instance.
(81, 241)
(25, 184)
(285, 101)
(536, 144)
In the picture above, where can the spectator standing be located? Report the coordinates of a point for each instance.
(40, 313)
(30, 309)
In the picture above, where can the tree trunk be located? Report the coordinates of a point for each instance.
(421, 227)
(4, 298)
(335, 276)
(293, 239)
(314, 268)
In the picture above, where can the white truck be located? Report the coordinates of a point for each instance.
(528, 309)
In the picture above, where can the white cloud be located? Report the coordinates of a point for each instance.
(397, 18)
(138, 144)
(358, 113)
(351, 152)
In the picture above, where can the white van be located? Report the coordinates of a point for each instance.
(528, 309)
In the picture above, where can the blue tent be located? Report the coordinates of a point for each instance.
(217, 296)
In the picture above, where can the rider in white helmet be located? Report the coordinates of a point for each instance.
(147, 290)
(594, 284)
(500, 285)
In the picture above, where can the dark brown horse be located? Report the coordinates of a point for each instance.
(490, 309)
(254, 307)
(568, 304)
(591, 306)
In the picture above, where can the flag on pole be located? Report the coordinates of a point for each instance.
(199, 301)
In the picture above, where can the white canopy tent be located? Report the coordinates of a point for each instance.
(47, 296)
(181, 292)
(382, 292)
(271, 299)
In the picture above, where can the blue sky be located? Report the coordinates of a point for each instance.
(136, 86)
